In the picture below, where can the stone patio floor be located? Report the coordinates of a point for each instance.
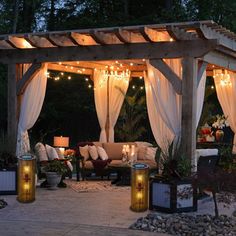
(66, 212)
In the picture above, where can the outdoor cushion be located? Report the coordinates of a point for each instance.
(97, 144)
(102, 153)
(114, 150)
(141, 143)
(151, 153)
(41, 152)
(93, 152)
(52, 153)
(84, 152)
(142, 150)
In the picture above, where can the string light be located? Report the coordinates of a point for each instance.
(141, 87)
(212, 87)
(133, 87)
(89, 86)
(131, 63)
(69, 77)
(86, 79)
(140, 77)
(117, 62)
(72, 67)
(59, 63)
(62, 73)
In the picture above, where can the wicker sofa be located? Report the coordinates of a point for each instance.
(114, 152)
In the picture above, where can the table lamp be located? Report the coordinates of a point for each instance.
(61, 142)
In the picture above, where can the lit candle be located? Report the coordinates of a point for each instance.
(26, 169)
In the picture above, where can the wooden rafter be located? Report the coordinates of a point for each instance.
(180, 34)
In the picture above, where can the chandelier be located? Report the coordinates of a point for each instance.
(224, 77)
(118, 75)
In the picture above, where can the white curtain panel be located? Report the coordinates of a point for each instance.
(161, 132)
(200, 96)
(31, 106)
(166, 103)
(117, 91)
(226, 93)
(100, 96)
(165, 106)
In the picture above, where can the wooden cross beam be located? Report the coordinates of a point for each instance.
(168, 73)
(195, 48)
(27, 77)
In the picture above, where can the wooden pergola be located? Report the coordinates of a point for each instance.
(202, 45)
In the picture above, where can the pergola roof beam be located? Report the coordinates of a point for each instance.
(196, 48)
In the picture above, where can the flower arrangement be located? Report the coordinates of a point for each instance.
(69, 153)
(220, 122)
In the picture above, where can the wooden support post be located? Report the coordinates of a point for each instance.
(12, 106)
(189, 104)
(108, 116)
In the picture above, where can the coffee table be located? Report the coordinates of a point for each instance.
(123, 171)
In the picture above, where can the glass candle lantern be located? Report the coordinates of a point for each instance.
(139, 187)
(26, 178)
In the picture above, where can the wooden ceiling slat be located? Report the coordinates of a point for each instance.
(5, 45)
(83, 39)
(40, 42)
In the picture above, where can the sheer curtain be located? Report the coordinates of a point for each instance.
(100, 96)
(200, 96)
(31, 106)
(163, 104)
(226, 93)
(117, 92)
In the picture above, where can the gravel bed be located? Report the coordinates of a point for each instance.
(186, 225)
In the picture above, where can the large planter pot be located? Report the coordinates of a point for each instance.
(53, 179)
(172, 196)
(8, 181)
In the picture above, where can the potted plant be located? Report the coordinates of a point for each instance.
(174, 190)
(8, 168)
(54, 170)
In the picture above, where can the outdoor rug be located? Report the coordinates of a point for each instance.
(94, 186)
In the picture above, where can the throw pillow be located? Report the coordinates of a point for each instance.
(41, 152)
(142, 150)
(102, 153)
(52, 153)
(93, 152)
(151, 153)
(84, 152)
